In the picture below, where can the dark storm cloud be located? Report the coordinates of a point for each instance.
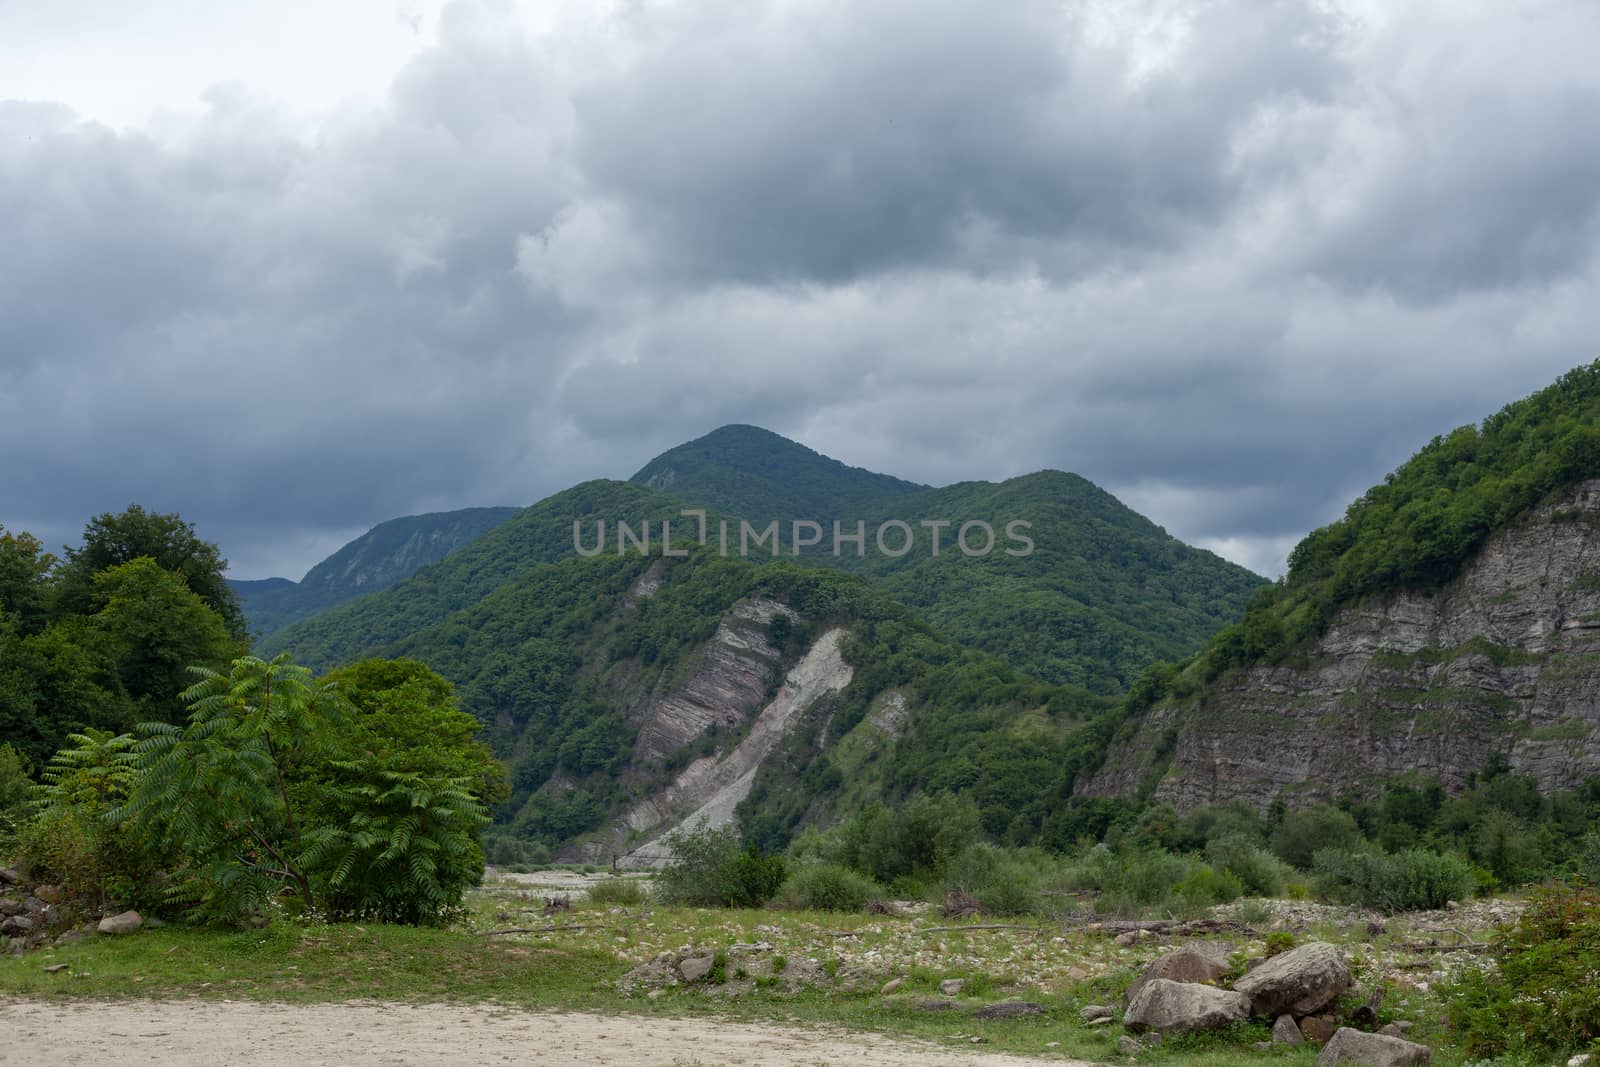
(1232, 260)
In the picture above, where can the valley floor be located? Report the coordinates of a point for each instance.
(190, 1033)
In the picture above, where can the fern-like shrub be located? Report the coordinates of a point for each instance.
(1540, 1000)
(274, 796)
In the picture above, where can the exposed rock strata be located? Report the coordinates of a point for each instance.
(1505, 659)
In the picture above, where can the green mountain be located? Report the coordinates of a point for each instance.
(755, 473)
(632, 693)
(611, 684)
(1103, 594)
(537, 534)
(1445, 625)
(388, 553)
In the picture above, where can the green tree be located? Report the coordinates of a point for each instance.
(155, 629)
(24, 569)
(407, 720)
(110, 540)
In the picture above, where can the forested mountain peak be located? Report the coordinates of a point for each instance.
(754, 472)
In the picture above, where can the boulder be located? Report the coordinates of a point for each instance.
(1301, 981)
(9, 876)
(16, 926)
(1184, 1007)
(1191, 963)
(1373, 1050)
(50, 894)
(126, 923)
(1090, 1012)
(1286, 1032)
(693, 969)
(12, 907)
(1128, 1046)
(1318, 1029)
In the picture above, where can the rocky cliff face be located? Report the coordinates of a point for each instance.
(1506, 659)
(731, 684)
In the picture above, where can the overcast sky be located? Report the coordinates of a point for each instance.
(295, 268)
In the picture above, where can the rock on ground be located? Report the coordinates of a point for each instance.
(1184, 1007)
(1191, 963)
(1286, 1032)
(126, 923)
(1373, 1050)
(1301, 981)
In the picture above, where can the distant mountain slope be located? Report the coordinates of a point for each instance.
(627, 692)
(388, 553)
(537, 534)
(1451, 618)
(760, 475)
(1103, 594)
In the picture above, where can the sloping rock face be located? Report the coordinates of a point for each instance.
(734, 673)
(710, 789)
(1505, 659)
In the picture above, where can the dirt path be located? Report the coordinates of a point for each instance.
(194, 1033)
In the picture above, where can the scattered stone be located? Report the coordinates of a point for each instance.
(1102, 1022)
(695, 967)
(929, 1004)
(1399, 1028)
(56, 968)
(1583, 1059)
(16, 926)
(9, 876)
(1191, 963)
(1301, 981)
(1319, 1029)
(1452, 905)
(1184, 1007)
(1286, 1032)
(1089, 1013)
(892, 985)
(1129, 1046)
(126, 923)
(1133, 937)
(1373, 1050)
(71, 937)
(952, 987)
(50, 894)
(12, 907)
(1010, 1009)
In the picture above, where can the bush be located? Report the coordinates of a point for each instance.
(998, 880)
(1258, 871)
(1302, 833)
(628, 892)
(829, 887)
(1541, 998)
(709, 869)
(1413, 880)
(1205, 887)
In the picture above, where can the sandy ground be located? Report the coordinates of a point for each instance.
(192, 1033)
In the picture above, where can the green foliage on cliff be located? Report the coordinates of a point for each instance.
(1426, 520)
